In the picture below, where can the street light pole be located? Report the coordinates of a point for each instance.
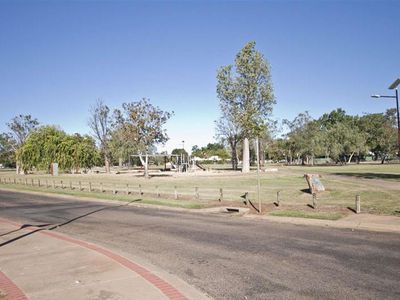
(394, 86)
(398, 122)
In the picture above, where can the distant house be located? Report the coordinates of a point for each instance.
(214, 158)
(198, 158)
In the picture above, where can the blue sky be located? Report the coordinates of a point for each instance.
(57, 58)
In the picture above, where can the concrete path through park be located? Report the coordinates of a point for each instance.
(36, 263)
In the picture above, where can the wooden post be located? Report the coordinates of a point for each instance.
(278, 198)
(32, 182)
(90, 186)
(26, 181)
(175, 192)
(15, 180)
(140, 189)
(54, 184)
(62, 185)
(38, 181)
(101, 187)
(70, 185)
(47, 183)
(157, 191)
(358, 204)
(196, 192)
(127, 189)
(80, 186)
(314, 200)
(115, 189)
(9, 180)
(221, 194)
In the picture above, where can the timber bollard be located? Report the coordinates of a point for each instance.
(158, 191)
(314, 200)
(90, 186)
(26, 181)
(70, 185)
(278, 198)
(358, 204)
(80, 186)
(62, 185)
(175, 192)
(221, 194)
(32, 182)
(127, 189)
(15, 180)
(101, 187)
(38, 182)
(140, 189)
(47, 183)
(196, 193)
(115, 189)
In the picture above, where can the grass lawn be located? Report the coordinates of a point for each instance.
(378, 186)
(307, 215)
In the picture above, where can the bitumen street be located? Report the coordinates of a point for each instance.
(222, 257)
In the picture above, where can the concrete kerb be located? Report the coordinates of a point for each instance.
(171, 286)
(344, 223)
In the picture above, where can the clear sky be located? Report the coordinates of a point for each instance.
(57, 58)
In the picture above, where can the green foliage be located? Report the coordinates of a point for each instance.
(212, 149)
(21, 126)
(48, 144)
(7, 153)
(179, 152)
(140, 125)
(246, 93)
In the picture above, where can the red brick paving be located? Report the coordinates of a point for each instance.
(11, 290)
(167, 289)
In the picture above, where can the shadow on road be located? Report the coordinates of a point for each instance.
(39, 227)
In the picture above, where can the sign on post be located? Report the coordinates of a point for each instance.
(314, 183)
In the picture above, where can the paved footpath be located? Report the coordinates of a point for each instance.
(40, 264)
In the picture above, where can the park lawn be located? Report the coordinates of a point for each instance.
(307, 215)
(378, 186)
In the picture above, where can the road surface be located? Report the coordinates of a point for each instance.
(228, 257)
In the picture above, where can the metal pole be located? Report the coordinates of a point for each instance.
(258, 176)
(398, 123)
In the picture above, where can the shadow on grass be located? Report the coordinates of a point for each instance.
(371, 175)
(351, 209)
(307, 191)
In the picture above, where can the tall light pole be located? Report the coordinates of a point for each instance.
(394, 86)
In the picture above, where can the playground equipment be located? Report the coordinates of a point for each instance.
(172, 162)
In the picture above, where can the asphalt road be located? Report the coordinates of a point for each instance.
(229, 257)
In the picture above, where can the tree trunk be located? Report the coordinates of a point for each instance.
(107, 163)
(246, 156)
(234, 155)
(383, 159)
(351, 156)
(145, 163)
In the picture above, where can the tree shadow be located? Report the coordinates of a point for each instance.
(42, 226)
(307, 191)
(370, 175)
(24, 226)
